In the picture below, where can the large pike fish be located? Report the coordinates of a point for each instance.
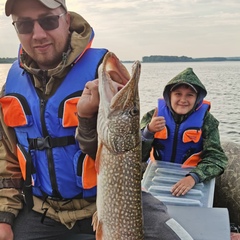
(118, 161)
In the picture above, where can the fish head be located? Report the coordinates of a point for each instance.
(119, 108)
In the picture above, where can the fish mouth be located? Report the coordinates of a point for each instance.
(115, 76)
(116, 70)
(118, 76)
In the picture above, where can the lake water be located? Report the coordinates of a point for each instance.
(222, 80)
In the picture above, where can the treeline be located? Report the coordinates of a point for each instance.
(7, 60)
(160, 58)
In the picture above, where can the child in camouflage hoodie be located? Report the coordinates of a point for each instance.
(182, 130)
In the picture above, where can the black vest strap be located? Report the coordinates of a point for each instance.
(27, 185)
(48, 142)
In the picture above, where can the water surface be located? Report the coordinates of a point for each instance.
(222, 80)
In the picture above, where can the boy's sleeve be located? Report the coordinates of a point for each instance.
(146, 143)
(214, 160)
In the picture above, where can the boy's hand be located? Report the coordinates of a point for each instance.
(157, 122)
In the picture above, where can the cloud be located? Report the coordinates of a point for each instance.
(132, 29)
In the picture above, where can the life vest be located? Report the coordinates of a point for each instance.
(180, 143)
(51, 162)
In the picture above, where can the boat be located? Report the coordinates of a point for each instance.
(210, 208)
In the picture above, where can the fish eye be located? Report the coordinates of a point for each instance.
(134, 111)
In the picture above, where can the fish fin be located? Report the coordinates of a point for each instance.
(95, 221)
(97, 226)
(97, 160)
(99, 232)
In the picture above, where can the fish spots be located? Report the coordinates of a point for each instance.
(119, 206)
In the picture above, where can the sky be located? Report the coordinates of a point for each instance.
(136, 28)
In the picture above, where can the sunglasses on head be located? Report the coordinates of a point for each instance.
(47, 23)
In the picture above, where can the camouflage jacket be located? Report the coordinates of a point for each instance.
(213, 159)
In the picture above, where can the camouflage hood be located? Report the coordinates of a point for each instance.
(186, 77)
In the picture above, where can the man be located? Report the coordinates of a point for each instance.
(43, 193)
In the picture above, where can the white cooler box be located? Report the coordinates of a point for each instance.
(193, 211)
(160, 176)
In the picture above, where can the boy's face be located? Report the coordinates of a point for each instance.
(183, 99)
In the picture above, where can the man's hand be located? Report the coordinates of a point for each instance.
(6, 232)
(157, 123)
(88, 103)
(183, 186)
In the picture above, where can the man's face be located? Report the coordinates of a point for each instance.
(43, 46)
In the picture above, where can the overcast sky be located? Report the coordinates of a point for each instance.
(136, 28)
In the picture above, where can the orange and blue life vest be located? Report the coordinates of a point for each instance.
(180, 143)
(51, 162)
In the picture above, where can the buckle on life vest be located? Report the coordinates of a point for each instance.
(48, 142)
(41, 143)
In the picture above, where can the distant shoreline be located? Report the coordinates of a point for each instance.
(160, 58)
(7, 60)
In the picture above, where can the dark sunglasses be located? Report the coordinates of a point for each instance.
(47, 23)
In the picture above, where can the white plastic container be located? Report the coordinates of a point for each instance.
(160, 176)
